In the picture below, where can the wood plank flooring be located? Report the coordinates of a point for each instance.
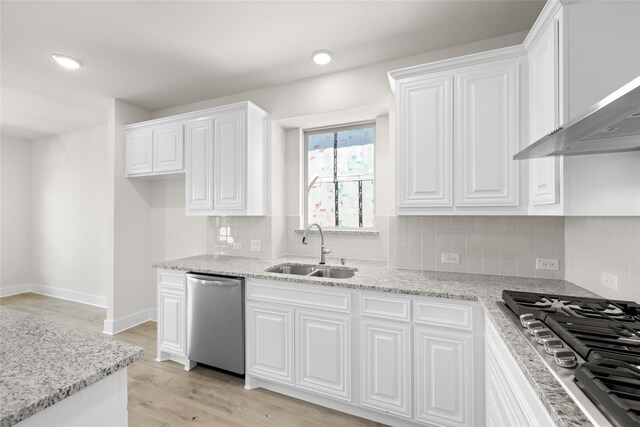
(164, 394)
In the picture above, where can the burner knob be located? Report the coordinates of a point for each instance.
(534, 326)
(526, 318)
(553, 345)
(542, 335)
(566, 358)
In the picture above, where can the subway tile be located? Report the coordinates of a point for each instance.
(490, 267)
(458, 224)
(524, 225)
(507, 268)
(474, 224)
(524, 269)
(506, 226)
(507, 254)
(490, 231)
(474, 266)
(474, 252)
(490, 253)
(443, 225)
(634, 229)
(428, 225)
(428, 258)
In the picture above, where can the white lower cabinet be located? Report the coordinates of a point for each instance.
(323, 353)
(270, 352)
(386, 358)
(172, 316)
(510, 400)
(386, 366)
(444, 379)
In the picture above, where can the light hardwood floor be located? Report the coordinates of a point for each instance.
(164, 394)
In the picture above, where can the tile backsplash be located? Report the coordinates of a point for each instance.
(597, 245)
(505, 245)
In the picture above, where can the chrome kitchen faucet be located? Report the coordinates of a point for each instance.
(323, 251)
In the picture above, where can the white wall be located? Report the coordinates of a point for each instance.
(172, 233)
(15, 171)
(69, 207)
(597, 245)
(132, 278)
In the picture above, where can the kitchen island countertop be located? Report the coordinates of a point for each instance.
(377, 276)
(43, 363)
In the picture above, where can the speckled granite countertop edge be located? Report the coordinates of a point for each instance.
(484, 289)
(23, 407)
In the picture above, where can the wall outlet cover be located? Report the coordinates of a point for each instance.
(609, 280)
(256, 246)
(450, 258)
(547, 264)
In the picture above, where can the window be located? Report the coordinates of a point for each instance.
(340, 187)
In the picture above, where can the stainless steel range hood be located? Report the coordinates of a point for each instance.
(609, 126)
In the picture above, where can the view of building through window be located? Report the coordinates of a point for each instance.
(340, 177)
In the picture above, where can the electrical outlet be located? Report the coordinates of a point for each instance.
(237, 245)
(609, 280)
(14, 274)
(450, 258)
(256, 245)
(546, 264)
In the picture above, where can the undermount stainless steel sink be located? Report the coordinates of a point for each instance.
(334, 273)
(313, 271)
(297, 269)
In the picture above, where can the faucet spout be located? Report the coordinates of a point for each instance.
(323, 251)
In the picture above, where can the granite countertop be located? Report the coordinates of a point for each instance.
(377, 276)
(44, 362)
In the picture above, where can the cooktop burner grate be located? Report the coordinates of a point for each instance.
(542, 305)
(598, 338)
(614, 386)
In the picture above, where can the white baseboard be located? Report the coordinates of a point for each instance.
(83, 297)
(50, 291)
(112, 327)
(15, 290)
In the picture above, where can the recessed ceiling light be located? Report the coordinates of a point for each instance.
(322, 57)
(66, 61)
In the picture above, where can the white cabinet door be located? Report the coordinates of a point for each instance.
(487, 135)
(199, 167)
(230, 161)
(424, 143)
(139, 152)
(168, 149)
(270, 342)
(544, 78)
(171, 321)
(323, 353)
(443, 377)
(386, 366)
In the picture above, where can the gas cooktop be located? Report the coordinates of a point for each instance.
(596, 342)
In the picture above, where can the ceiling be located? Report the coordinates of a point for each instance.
(160, 54)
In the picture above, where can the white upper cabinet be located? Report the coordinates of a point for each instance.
(226, 164)
(458, 125)
(424, 109)
(580, 52)
(487, 120)
(154, 150)
(544, 109)
(139, 148)
(228, 158)
(168, 149)
(222, 151)
(199, 154)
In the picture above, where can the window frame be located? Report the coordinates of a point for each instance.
(305, 181)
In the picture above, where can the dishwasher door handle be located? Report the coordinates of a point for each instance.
(220, 283)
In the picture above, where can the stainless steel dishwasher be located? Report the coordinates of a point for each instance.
(215, 321)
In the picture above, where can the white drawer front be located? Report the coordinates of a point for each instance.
(299, 295)
(172, 279)
(385, 307)
(448, 315)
